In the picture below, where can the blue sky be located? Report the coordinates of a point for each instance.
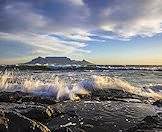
(101, 31)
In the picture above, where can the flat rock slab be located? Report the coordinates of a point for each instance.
(20, 97)
(90, 116)
(120, 112)
(11, 121)
(36, 112)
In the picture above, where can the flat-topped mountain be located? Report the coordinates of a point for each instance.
(57, 61)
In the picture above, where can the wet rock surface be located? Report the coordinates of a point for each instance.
(149, 124)
(102, 116)
(19, 97)
(158, 103)
(113, 111)
(15, 122)
(117, 95)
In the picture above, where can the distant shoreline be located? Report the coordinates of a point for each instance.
(82, 67)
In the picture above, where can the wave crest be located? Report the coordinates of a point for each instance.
(61, 89)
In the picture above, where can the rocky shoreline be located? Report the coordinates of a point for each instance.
(112, 111)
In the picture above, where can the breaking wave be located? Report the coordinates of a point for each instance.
(66, 88)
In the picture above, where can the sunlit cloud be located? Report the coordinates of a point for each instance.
(44, 43)
(66, 27)
(141, 18)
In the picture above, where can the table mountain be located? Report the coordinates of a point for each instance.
(57, 61)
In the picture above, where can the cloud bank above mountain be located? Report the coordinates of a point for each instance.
(67, 26)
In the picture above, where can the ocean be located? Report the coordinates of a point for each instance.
(67, 83)
(113, 100)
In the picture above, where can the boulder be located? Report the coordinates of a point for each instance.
(19, 97)
(148, 124)
(39, 113)
(115, 95)
(158, 103)
(15, 122)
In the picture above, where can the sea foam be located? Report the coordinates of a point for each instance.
(66, 89)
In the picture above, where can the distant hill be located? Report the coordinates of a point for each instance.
(57, 61)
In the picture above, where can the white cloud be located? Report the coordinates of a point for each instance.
(76, 2)
(119, 19)
(133, 18)
(20, 16)
(70, 42)
(78, 35)
(44, 44)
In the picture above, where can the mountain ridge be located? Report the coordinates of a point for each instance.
(57, 61)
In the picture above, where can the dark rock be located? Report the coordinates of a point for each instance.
(34, 111)
(151, 119)
(19, 97)
(158, 103)
(38, 99)
(84, 96)
(3, 123)
(96, 116)
(149, 123)
(111, 112)
(15, 122)
(11, 97)
(115, 95)
(63, 129)
(39, 113)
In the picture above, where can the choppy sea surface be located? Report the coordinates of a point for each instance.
(67, 84)
(84, 115)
